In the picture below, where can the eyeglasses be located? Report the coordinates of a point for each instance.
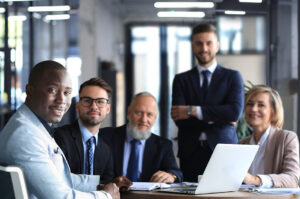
(88, 101)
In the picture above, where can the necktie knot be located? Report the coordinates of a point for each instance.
(91, 141)
(135, 142)
(205, 73)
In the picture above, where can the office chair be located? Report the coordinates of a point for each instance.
(12, 182)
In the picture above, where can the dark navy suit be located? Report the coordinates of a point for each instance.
(69, 139)
(223, 104)
(158, 153)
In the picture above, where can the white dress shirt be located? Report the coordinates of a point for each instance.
(211, 69)
(86, 135)
(257, 167)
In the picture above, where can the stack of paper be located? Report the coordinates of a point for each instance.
(276, 190)
(148, 186)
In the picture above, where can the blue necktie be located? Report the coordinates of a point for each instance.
(133, 163)
(204, 87)
(90, 162)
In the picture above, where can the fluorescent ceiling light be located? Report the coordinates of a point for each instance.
(15, 0)
(184, 5)
(181, 14)
(17, 18)
(2, 10)
(48, 8)
(235, 12)
(250, 1)
(57, 17)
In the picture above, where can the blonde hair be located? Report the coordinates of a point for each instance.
(275, 101)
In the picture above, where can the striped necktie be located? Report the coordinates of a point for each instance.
(90, 151)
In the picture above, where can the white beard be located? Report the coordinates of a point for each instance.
(137, 134)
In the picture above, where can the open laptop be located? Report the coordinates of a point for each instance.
(225, 170)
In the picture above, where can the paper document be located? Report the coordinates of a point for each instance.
(275, 190)
(148, 186)
(245, 186)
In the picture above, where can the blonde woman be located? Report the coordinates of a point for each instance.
(277, 161)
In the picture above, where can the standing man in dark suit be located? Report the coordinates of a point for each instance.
(206, 102)
(81, 142)
(139, 154)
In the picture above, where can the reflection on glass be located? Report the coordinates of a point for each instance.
(241, 34)
(179, 60)
(146, 58)
(146, 61)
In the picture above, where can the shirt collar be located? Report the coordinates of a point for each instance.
(46, 125)
(263, 137)
(211, 68)
(86, 134)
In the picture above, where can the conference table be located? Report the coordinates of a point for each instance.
(227, 195)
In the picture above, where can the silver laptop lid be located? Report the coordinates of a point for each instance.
(226, 168)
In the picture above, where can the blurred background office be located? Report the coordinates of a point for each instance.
(139, 45)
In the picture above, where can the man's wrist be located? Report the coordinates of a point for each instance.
(190, 111)
(173, 175)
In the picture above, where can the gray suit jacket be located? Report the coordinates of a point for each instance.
(25, 142)
(281, 157)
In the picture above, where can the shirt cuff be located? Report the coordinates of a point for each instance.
(102, 195)
(266, 181)
(199, 112)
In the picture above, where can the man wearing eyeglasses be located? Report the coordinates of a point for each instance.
(85, 151)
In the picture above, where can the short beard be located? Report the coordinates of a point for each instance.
(203, 63)
(90, 122)
(137, 134)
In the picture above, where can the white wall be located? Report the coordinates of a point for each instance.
(252, 67)
(101, 36)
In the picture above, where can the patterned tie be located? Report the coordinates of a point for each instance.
(133, 163)
(90, 162)
(204, 87)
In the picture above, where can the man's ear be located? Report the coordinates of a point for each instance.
(128, 113)
(28, 91)
(76, 106)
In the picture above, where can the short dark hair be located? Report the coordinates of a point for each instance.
(201, 28)
(97, 82)
(39, 69)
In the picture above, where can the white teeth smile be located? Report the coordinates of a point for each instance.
(59, 109)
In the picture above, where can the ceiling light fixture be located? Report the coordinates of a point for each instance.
(181, 14)
(235, 12)
(48, 8)
(250, 1)
(57, 17)
(184, 4)
(15, 0)
(2, 10)
(17, 18)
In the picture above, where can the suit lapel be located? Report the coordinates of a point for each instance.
(196, 83)
(269, 153)
(148, 156)
(119, 148)
(76, 135)
(214, 82)
(98, 151)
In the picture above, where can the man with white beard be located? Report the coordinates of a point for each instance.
(139, 154)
